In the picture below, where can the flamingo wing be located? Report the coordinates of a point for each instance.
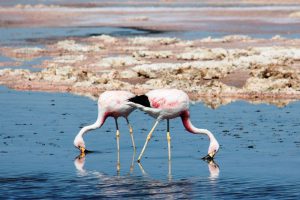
(168, 99)
(141, 99)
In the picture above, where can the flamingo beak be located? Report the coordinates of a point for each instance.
(82, 155)
(82, 149)
(209, 157)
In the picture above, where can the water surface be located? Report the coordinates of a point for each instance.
(38, 36)
(259, 155)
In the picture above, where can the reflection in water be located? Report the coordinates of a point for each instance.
(79, 163)
(170, 170)
(119, 164)
(216, 102)
(214, 170)
(142, 169)
(132, 162)
(145, 186)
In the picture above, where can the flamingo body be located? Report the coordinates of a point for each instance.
(113, 104)
(164, 103)
(168, 104)
(110, 104)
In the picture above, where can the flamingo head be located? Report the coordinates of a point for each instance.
(212, 150)
(79, 143)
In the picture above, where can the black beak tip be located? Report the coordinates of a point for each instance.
(87, 151)
(207, 158)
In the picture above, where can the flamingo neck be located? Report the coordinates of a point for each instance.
(185, 116)
(99, 122)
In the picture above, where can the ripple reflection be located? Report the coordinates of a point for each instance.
(135, 186)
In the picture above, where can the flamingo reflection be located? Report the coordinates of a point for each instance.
(80, 161)
(114, 186)
(214, 169)
(110, 186)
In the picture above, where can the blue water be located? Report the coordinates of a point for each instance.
(24, 64)
(258, 159)
(37, 36)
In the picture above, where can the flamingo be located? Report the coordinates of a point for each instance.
(110, 104)
(168, 104)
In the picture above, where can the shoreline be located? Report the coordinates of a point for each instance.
(234, 67)
(235, 63)
(213, 101)
(230, 20)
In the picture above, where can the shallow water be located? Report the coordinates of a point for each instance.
(259, 155)
(37, 36)
(40, 36)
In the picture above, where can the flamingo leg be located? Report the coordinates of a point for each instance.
(147, 140)
(169, 139)
(131, 133)
(142, 169)
(132, 162)
(170, 170)
(118, 145)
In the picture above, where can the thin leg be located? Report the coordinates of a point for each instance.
(142, 169)
(132, 162)
(117, 135)
(131, 133)
(169, 139)
(118, 164)
(147, 140)
(170, 170)
(118, 145)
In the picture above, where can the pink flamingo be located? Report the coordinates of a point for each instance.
(168, 104)
(110, 104)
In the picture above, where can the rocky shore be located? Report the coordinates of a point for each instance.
(214, 70)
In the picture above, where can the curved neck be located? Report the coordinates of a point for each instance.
(99, 122)
(85, 129)
(185, 117)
